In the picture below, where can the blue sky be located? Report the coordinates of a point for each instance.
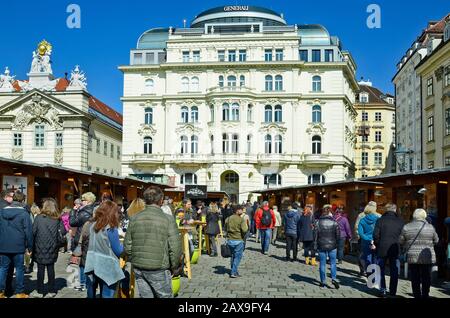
(109, 29)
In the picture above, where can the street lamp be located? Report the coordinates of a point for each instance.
(401, 152)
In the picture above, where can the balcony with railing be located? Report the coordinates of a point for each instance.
(229, 89)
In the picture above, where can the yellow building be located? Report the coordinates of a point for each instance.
(374, 150)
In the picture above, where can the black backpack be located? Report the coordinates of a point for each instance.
(266, 218)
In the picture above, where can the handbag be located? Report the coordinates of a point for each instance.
(225, 250)
(403, 257)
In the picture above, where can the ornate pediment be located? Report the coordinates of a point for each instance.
(316, 102)
(316, 129)
(188, 129)
(273, 128)
(274, 101)
(147, 130)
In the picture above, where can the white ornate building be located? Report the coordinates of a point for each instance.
(239, 101)
(57, 121)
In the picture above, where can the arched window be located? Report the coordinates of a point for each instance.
(316, 114)
(235, 144)
(185, 84)
(231, 81)
(316, 145)
(194, 114)
(269, 83)
(235, 112)
(268, 144)
(250, 113)
(268, 114)
(225, 112)
(316, 179)
(188, 178)
(148, 118)
(278, 144)
(194, 144)
(221, 81)
(225, 143)
(184, 114)
(195, 84)
(278, 83)
(149, 85)
(278, 114)
(316, 83)
(242, 81)
(249, 144)
(272, 180)
(184, 144)
(148, 145)
(231, 177)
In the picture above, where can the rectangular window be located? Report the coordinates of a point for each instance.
(186, 55)
(137, 58)
(112, 151)
(378, 158)
(242, 55)
(149, 58)
(98, 145)
(105, 148)
(430, 164)
(268, 55)
(447, 161)
(447, 121)
(329, 55)
(59, 139)
(232, 56)
(39, 136)
(279, 54)
(431, 128)
(221, 55)
(196, 56)
(365, 116)
(17, 140)
(365, 158)
(378, 136)
(430, 86)
(90, 138)
(377, 116)
(365, 138)
(316, 55)
(363, 98)
(161, 57)
(303, 55)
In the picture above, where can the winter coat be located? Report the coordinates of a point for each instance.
(3, 203)
(387, 233)
(344, 226)
(305, 228)
(358, 219)
(291, 220)
(420, 250)
(45, 237)
(212, 223)
(16, 232)
(258, 217)
(236, 228)
(327, 233)
(85, 231)
(65, 219)
(366, 226)
(77, 219)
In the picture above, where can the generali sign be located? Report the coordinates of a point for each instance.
(235, 8)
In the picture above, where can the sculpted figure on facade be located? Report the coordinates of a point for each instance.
(6, 81)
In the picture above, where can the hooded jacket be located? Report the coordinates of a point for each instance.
(16, 234)
(291, 222)
(366, 226)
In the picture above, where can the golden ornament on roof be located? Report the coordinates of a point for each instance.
(44, 47)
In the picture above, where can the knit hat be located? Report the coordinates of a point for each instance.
(371, 207)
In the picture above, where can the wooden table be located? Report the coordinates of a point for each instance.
(200, 236)
(184, 231)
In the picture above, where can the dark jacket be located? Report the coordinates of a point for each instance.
(305, 228)
(226, 212)
(45, 238)
(77, 219)
(387, 233)
(328, 233)
(291, 220)
(85, 231)
(212, 226)
(16, 233)
(3, 203)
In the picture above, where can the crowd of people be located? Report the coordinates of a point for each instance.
(103, 236)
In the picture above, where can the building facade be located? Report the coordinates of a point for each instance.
(375, 146)
(409, 116)
(238, 101)
(57, 121)
(434, 71)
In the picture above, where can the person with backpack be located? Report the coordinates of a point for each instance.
(265, 222)
(291, 220)
(305, 234)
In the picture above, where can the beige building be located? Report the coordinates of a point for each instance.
(434, 71)
(376, 132)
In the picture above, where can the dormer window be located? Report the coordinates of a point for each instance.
(363, 97)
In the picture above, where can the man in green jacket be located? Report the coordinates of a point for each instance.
(236, 228)
(153, 246)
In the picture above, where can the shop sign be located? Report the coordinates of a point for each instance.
(196, 192)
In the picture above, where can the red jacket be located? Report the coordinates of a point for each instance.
(258, 217)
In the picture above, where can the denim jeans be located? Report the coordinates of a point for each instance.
(393, 271)
(82, 277)
(106, 291)
(323, 264)
(18, 261)
(154, 284)
(265, 239)
(340, 251)
(237, 250)
(368, 256)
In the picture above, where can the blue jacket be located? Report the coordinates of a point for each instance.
(306, 228)
(290, 222)
(16, 230)
(366, 226)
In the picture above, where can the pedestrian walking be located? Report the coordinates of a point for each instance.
(291, 221)
(418, 239)
(305, 234)
(48, 235)
(212, 227)
(265, 222)
(65, 218)
(366, 227)
(327, 237)
(153, 246)
(346, 233)
(102, 261)
(236, 229)
(278, 223)
(386, 237)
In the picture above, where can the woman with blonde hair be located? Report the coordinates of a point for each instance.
(48, 232)
(138, 205)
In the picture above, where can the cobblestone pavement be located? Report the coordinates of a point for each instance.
(262, 276)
